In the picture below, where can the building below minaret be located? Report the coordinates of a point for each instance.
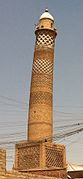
(39, 155)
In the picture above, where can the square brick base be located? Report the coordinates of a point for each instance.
(42, 158)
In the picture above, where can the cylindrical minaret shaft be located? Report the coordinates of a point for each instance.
(41, 92)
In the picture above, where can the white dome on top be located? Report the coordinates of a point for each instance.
(46, 14)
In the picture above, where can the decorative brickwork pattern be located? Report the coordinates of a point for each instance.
(28, 157)
(41, 98)
(54, 157)
(41, 92)
(37, 158)
(45, 38)
(33, 156)
(43, 66)
(37, 155)
(42, 81)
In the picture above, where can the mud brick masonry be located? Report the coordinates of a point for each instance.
(39, 155)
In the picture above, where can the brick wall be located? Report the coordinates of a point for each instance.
(17, 175)
(2, 160)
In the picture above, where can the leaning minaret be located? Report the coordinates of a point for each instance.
(40, 124)
(39, 155)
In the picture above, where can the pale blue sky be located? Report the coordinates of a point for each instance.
(17, 39)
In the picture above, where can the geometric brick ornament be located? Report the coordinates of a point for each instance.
(43, 66)
(40, 118)
(39, 155)
(45, 39)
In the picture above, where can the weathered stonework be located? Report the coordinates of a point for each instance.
(2, 160)
(21, 175)
(52, 172)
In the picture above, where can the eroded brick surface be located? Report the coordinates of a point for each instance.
(2, 160)
(17, 175)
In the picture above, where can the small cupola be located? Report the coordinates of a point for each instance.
(46, 15)
(46, 21)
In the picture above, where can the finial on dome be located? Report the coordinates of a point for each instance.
(46, 10)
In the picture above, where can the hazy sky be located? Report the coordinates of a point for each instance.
(17, 39)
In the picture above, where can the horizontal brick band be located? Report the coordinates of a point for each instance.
(32, 123)
(41, 98)
(44, 53)
(41, 81)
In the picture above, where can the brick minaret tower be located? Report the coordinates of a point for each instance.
(39, 155)
(41, 93)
